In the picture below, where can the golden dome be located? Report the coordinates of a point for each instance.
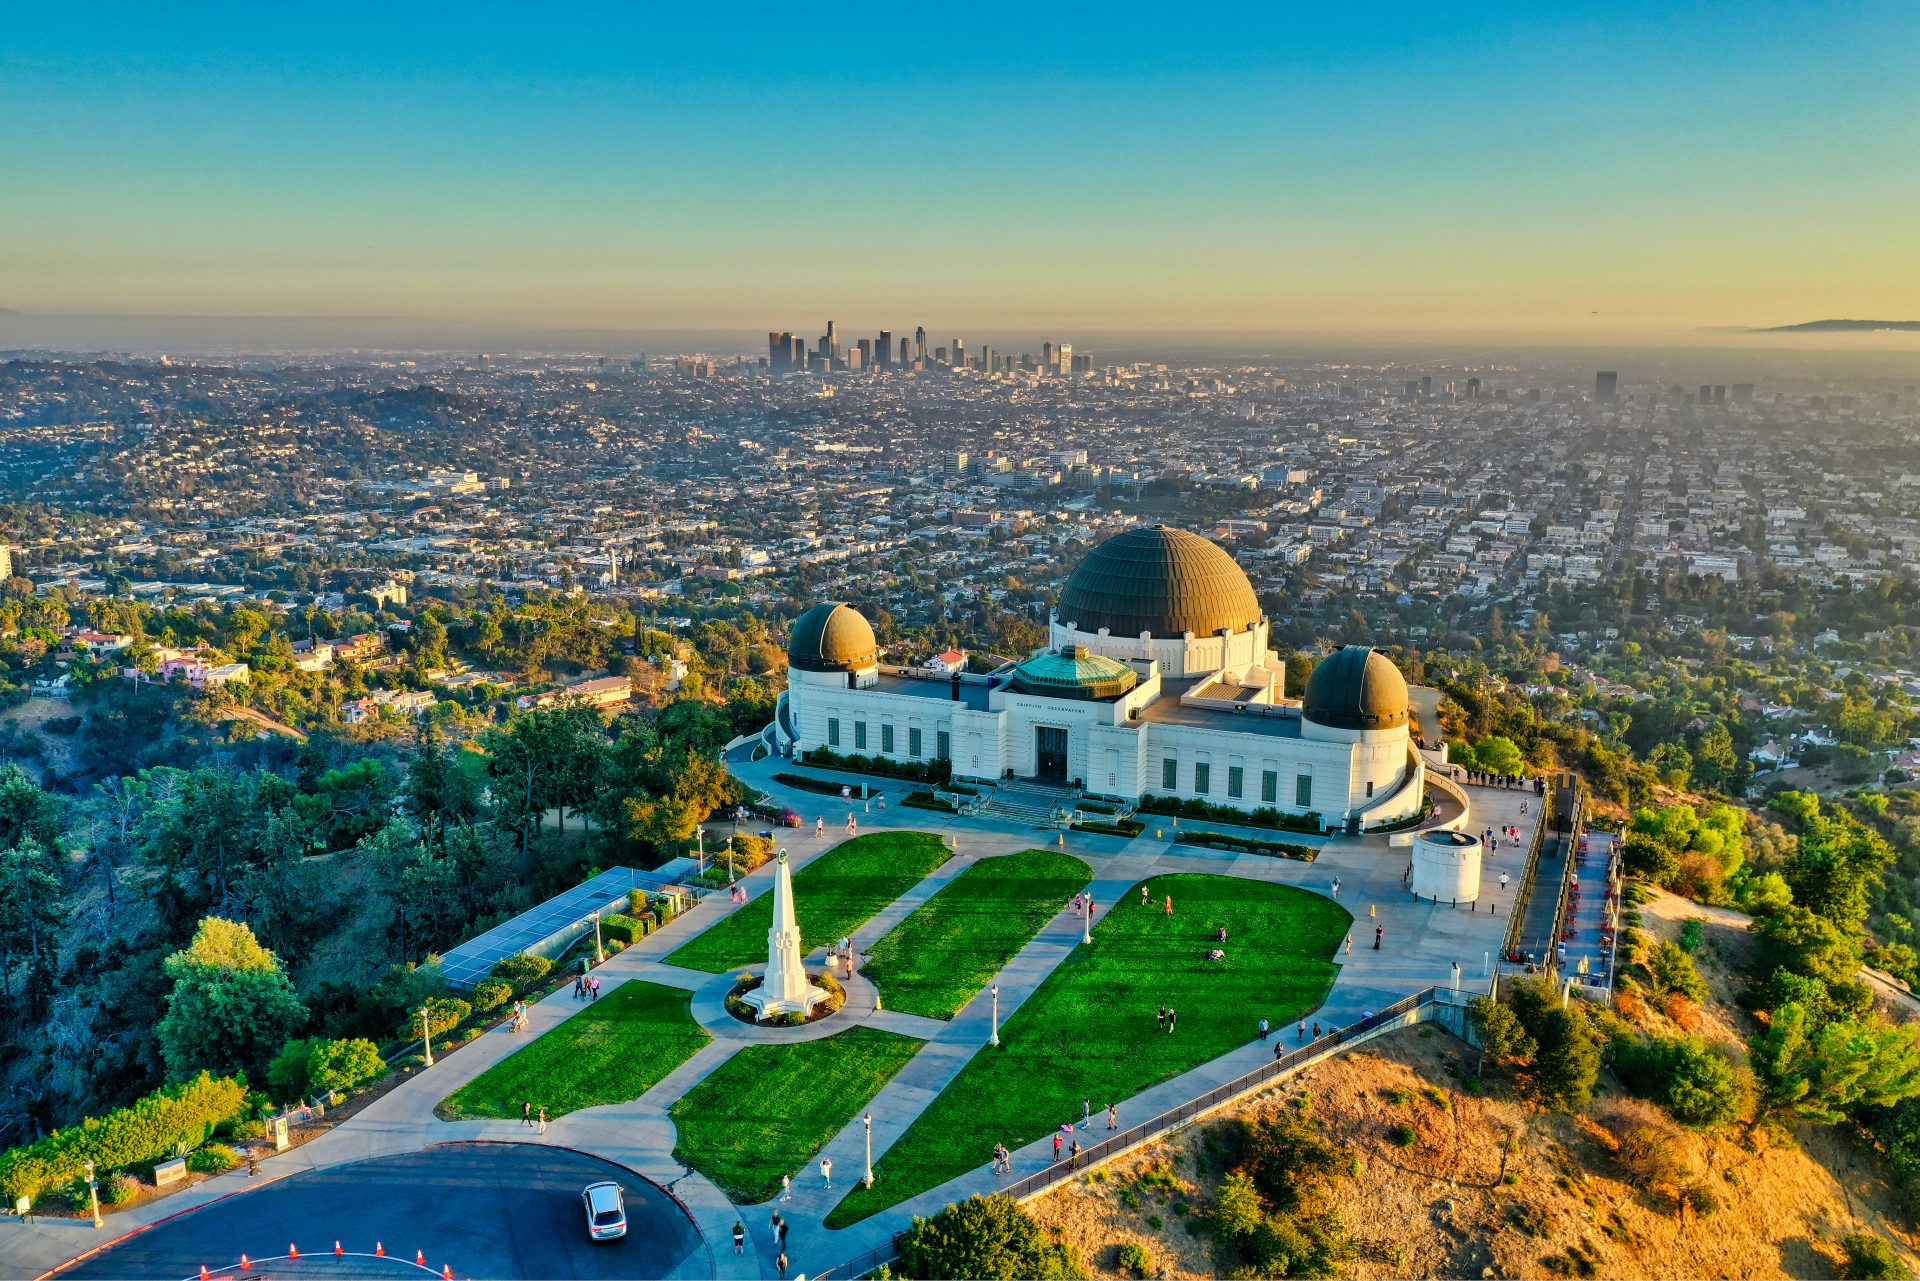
(1160, 580)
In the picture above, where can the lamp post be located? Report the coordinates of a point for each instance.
(599, 952)
(426, 1035)
(700, 845)
(93, 1191)
(995, 990)
(867, 1120)
(730, 875)
(1086, 921)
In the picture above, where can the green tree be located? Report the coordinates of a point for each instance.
(231, 1008)
(988, 1238)
(1499, 1032)
(1871, 1258)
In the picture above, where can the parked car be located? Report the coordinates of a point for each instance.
(606, 1211)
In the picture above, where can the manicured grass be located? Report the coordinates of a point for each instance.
(835, 894)
(769, 1109)
(614, 1049)
(933, 962)
(1089, 1031)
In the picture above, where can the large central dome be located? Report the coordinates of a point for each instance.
(1160, 580)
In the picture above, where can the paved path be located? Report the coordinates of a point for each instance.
(1422, 944)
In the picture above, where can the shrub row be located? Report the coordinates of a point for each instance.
(807, 784)
(146, 1130)
(886, 767)
(1250, 845)
(1118, 827)
(624, 930)
(928, 801)
(1178, 808)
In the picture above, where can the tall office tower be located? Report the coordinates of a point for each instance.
(1473, 389)
(1606, 386)
(906, 352)
(1084, 365)
(864, 350)
(1063, 357)
(777, 353)
(958, 353)
(939, 355)
(1719, 393)
(1426, 386)
(986, 360)
(883, 350)
(824, 354)
(920, 344)
(797, 356)
(833, 342)
(957, 462)
(1047, 364)
(1413, 389)
(1706, 394)
(857, 356)
(1743, 393)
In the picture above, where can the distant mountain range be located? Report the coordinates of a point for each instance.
(1843, 327)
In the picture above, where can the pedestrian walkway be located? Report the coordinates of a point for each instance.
(1592, 904)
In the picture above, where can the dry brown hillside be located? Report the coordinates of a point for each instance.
(1491, 1188)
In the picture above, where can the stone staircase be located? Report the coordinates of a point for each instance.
(1026, 801)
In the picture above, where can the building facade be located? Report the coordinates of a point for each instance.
(1157, 679)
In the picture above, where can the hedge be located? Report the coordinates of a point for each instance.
(146, 1130)
(491, 994)
(1118, 827)
(622, 929)
(928, 801)
(521, 968)
(1250, 845)
(886, 767)
(1174, 806)
(443, 1015)
(807, 784)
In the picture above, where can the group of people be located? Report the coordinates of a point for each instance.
(586, 987)
(534, 1117)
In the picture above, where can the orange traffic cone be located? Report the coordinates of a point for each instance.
(379, 1250)
(446, 1272)
(293, 1251)
(337, 1249)
(419, 1258)
(246, 1264)
(203, 1272)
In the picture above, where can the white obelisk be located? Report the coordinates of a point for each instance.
(785, 989)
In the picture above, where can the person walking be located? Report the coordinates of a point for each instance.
(1160, 1021)
(773, 1226)
(1349, 942)
(1172, 1015)
(526, 1112)
(780, 1233)
(1169, 905)
(578, 980)
(1279, 1049)
(1503, 882)
(1316, 1031)
(1143, 894)
(780, 1264)
(1303, 1031)
(1263, 1027)
(786, 1188)
(1073, 1155)
(1086, 1114)
(739, 1237)
(1056, 1145)
(826, 1171)
(1113, 1116)
(543, 1120)
(1379, 932)
(596, 987)
(1336, 887)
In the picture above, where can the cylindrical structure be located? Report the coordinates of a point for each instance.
(1446, 866)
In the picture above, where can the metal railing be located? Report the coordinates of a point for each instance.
(1375, 1024)
(1523, 896)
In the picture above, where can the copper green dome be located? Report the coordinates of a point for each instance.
(1074, 671)
(1161, 580)
(1356, 687)
(832, 637)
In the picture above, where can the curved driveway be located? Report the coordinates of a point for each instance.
(490, 1210)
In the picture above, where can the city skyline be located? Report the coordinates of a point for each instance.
(1599, 175)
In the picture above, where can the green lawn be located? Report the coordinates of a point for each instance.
(933, 962)
(835, 894)
(770, 1108)
(614, 1049)
(1090, 1029)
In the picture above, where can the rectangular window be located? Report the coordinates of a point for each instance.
(1303, 791)
(886, 740)
(943, 745)
(1369, 787)
(1202, 778)
(1235, 777)
(859, 736)
(1269, 787)
(1169, 775)
(913, 743)
(833, 731)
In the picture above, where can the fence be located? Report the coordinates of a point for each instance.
(1523, 896)
(1407, 1010)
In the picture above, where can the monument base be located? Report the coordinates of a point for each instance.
(768, 1004)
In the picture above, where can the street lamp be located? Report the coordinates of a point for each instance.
(867, 1120)
(426, 1035)
(1086, 922)
(93, 1191)
(730, 875)
(700, 844)
(599, 952)
(995, 990)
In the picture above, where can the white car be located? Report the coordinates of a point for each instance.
(606, 1211)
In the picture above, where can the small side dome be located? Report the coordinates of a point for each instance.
(1074, 671)
(1356, 688)
(832, 637)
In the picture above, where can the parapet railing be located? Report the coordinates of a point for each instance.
(1407, 1010)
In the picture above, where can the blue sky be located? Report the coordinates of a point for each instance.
(1570, 168)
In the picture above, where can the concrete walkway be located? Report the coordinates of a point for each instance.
(1421, 945)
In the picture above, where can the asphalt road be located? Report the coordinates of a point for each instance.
(490, 1210)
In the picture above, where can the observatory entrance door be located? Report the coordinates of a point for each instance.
(1050, 753)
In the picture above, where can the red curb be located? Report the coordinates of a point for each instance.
(165, 1218)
